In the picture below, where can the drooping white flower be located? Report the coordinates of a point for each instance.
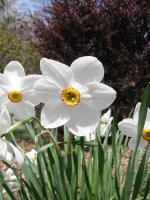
(105, 124)
(73, 95)
(5, 121)
(129, 127)
(8, 150)
(32, 155)
(10, 178)
(16, 90)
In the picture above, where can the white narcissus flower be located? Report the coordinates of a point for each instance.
(105, 124)
(73, 95)
(16, 90)
(129, 127)
(10, 177)
(8, 150)
(5, 121)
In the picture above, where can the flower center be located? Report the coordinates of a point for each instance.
(70, 96)
(146, 135)
(15, 96)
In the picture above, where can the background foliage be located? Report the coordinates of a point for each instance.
(16, 41)
(115, 31)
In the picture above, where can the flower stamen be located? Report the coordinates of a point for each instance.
(70, 96)
(15, 96)
(146, 135)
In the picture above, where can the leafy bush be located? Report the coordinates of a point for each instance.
(16, 42)
(115, 31)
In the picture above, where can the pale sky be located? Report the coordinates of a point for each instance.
(30, 5)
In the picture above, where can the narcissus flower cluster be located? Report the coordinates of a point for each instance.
(71, 95)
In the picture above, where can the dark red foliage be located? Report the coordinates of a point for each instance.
(115, 31)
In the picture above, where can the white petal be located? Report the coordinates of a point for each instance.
(132, 144)
(14, 69)
(81, 88)
(147, 121)
(136, 116)
(143, 143)
(84, 119)
(110, 120)
(56, 73)
(106, 115)
(101, 95)
(46, 91)
(87, 69)
(136, 112)
(5, 121)
(4, 83)
(104, 128)
(54, 114)
(14, 72)
(128, 127)
(18, 155)
(28, 82)
(31, 97)
(21, 110)
(3, 98)
(3, 150)
(148, 115)
(7, 150)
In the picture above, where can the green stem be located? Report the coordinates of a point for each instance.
(14, 141)
(54, 142)
(23, 121)
(69, 147)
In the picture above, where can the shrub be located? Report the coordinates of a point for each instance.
(16, 43)
(115, 31)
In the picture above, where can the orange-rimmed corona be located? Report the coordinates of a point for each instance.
(15, 96)
(146, 135)
(70, 96)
